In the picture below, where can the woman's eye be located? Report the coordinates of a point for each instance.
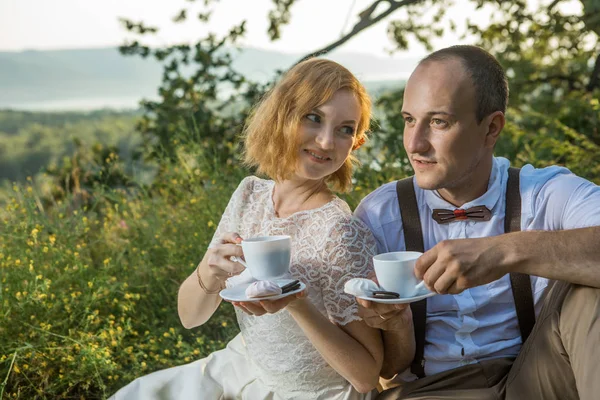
(348, 130)
(313, 117)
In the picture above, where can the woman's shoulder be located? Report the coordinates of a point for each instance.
(342, 218)
(253, 184)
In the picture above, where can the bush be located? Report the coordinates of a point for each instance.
(88, 295)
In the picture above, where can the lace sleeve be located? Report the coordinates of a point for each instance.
(230, 220)
(348, 254)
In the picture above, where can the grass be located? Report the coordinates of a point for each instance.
(88, 292)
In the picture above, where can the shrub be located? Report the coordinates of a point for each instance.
(88, 295)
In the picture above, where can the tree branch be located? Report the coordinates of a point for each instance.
(366, 20)
(594, 82)
(552, 78)
(553, 4)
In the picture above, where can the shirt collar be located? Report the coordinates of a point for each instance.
(489, 199)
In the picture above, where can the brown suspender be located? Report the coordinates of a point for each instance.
(521, 283)
(413, 237)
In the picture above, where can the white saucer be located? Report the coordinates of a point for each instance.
(238, 293)
(401, 300)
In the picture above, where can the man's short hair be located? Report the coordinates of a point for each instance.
(487, 75)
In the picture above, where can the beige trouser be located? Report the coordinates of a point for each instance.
(560, 360)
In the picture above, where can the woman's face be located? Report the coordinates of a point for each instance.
(326, 135)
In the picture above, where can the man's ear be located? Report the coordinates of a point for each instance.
(494, 123)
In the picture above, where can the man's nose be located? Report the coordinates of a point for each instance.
(416, 139)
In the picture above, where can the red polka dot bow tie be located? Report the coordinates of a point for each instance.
(477, 213)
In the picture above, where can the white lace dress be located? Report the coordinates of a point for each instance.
(272, 358)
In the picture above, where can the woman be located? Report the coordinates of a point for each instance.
(311, 345)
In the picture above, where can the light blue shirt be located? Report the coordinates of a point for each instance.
(481, 322)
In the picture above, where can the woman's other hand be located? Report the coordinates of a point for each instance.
(387, 317)
(268, 306)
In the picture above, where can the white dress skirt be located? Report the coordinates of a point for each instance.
(272, 358)
(225, 374)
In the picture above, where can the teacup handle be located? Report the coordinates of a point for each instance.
(420, 286)
(239, 260)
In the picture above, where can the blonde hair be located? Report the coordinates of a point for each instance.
(270, 134)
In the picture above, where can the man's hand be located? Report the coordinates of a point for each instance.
(452, 266)
(387, 317)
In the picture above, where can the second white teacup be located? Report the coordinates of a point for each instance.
(267, 257)
(395, 272)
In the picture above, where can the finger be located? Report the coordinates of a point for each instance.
(433, 274)
(426, 260)
(255, 308)
(444, 282)
(230, 237)
(459, 286)
(391, 314)
(364, 312)
(226, 269)
(229, 250)
(364, 303)
(453, 289)
(241, 307)
(375, 323)
(380, 308)
(273, 306)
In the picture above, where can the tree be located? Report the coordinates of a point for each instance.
(191, 110)
(551, 53)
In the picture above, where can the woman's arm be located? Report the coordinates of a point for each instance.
(354, 350)
(395, 322)
(196, 304)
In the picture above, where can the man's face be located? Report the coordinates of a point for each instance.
(445, 144)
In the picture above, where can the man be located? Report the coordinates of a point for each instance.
(454, 106)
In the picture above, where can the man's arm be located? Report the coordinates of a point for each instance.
(569, 255)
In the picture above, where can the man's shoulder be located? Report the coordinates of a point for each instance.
(380, 195)
(543, 174)
(548, 179)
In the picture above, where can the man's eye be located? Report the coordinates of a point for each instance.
(409, 120)
(313, 117)
(439, 122)
(348, 130)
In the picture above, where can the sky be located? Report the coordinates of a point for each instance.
(63, 24)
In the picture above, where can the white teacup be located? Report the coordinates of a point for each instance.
(395, 272)
(267, 257)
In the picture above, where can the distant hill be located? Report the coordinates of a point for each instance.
(97, 78)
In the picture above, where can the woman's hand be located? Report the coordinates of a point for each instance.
(219, 264)
(387, 317)
(198, 296)
(268, 306)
